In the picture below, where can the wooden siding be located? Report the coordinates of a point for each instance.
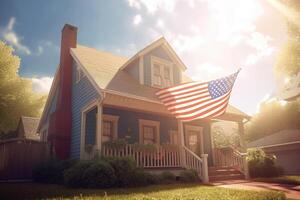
(133, 69)
(129, 123)
(158, 52)
(83, 93)
(52, 107)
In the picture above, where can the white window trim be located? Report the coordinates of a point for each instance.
(143, 122)
(163, 62)
(115, 120)
(171, 133)
(85, 109)
(197, 129)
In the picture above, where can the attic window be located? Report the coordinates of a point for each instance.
(162, 72)
(79, 74)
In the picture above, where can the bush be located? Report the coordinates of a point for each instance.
(73, 177)
(52, 171)
(262, 165)
(124, 169)
(167, 177)
(99, 175)
(189, 176)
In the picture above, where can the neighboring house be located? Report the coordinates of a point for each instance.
(97, 97)
(27, 128)
(285, 145)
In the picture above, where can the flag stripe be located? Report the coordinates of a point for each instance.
(196, 100)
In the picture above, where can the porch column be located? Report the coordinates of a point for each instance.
(204, 168)
(244, 148)
(99, 128)
(181, 141)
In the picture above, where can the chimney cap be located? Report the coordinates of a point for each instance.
(69, 26)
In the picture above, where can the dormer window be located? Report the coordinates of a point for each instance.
(162, 72)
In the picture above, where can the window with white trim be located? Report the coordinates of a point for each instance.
(162, 72)
(149, 132)
(109, 127)
(173, 137)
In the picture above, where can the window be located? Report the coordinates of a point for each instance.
(149, 132)
(109, 127)
(162, 72)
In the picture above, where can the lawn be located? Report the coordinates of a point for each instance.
(168, 192)
(293, 180)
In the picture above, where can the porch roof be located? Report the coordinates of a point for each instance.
(104, 69)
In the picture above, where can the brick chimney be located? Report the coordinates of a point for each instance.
(60, 123)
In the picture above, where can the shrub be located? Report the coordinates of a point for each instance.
(52, 170)
(167, 177)
(262, 165)
(189, 176)
(99, 175)
(124, 169)
(73, 177)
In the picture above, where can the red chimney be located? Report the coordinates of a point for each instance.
(60, 123)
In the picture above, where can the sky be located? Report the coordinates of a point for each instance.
(213, 38)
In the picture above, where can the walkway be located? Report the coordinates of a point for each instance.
(291, 191)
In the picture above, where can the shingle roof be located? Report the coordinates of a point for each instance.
(30, 125)
(104, 67)
(281, 137)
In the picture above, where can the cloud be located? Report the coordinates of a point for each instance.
(137, 20)
(42, 85)
(206, 71)
(153, 6)
(10, 36)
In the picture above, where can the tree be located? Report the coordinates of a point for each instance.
(16, 95)
(288, 60)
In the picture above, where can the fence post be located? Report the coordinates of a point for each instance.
(205, 178)
(246, 169)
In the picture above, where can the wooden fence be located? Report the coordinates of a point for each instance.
(19, 156)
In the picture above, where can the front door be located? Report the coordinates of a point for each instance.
(194, 139)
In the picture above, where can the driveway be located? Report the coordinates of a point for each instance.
(291, 191)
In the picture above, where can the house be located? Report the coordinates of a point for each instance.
(27, 128)
(97, 97)
(285, 145)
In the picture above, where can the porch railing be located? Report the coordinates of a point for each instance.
(230, 156)
(193, 161)
(153, 158)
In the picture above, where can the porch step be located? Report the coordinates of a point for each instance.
(224, 173)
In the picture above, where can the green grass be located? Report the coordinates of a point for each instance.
(293, 180)
(156, 192)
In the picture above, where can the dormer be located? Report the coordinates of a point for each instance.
(157, 65)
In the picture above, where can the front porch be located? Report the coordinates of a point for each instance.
(154, 139)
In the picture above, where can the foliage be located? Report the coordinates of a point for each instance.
(222, 139)
(291, 180)
(100, 174)
(288, 61)
(52, 170)
(168, 177)
(73, 177)
(17, 97)
(116, 144)
(125, 169)
(166, 192)
(262, 165)
(273, 117)
(188, 176)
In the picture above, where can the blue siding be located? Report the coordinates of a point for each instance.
(128, 123)
(83, 93)
(133, 69)
(159, 52)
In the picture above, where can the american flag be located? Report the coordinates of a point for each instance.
(198, 100)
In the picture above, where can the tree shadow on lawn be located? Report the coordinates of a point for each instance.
(39, 191)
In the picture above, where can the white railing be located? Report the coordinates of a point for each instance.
(193, 161)
(159, 156)
(230, 156)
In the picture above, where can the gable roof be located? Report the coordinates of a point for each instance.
(105, 71)
(30, 125)
(281, 137)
